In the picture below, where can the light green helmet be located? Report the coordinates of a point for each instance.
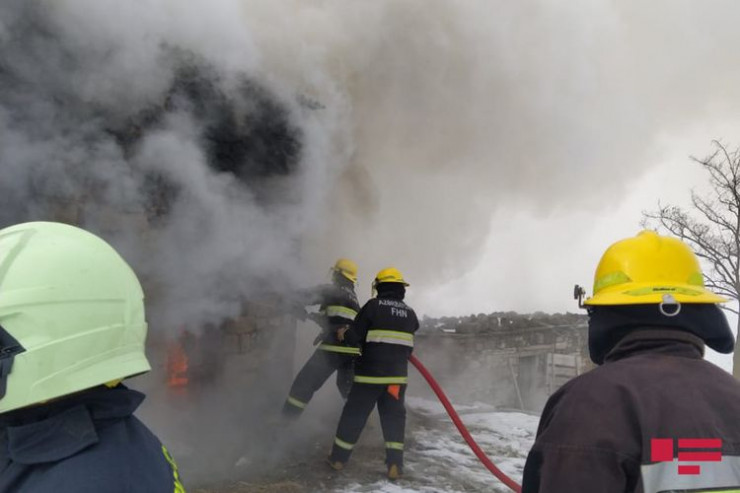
(71, 314)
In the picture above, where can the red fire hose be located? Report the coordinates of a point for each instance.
(461, 427)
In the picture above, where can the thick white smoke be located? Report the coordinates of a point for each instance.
(456, 110)
(418, 120)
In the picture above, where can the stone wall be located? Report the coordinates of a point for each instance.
(249, 352)
(513, 362)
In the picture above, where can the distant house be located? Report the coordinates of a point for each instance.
(505, 359)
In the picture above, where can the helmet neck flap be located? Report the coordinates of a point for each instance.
(607, 325)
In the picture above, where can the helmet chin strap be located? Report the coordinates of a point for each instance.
(9, 347)
(669, 300)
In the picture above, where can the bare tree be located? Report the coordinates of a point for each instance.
(711, 226)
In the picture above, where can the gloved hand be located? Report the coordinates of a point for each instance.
(341, 331)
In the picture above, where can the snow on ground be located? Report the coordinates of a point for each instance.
(438, 460)
(434, 408)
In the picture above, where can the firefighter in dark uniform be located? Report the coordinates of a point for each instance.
(619, 427)
(72, 327)
(384, 329)
(337, 312)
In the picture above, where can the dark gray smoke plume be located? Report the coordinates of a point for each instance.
(192, 170)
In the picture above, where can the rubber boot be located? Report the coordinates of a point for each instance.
(335, 464)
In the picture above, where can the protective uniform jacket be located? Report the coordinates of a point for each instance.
(596, 432)
(86, 443)
(339, 305)
(384, 329)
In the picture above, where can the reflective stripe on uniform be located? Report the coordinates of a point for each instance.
(339, 349)
(340, 311)
(390, 337)
(394, 445)
(295, 402)
(343, 444)
(715, 477)
(380, 380)
(176, 483)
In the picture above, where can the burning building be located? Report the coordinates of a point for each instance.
(229, 149)
(194, 174)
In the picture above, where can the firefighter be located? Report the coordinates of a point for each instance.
(72, 327)
(384, 329)
(619, 427)
(338, 308)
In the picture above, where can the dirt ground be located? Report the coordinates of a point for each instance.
(437, 460)
(304, 470)
(307, 474)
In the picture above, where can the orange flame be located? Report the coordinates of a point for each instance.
(177, 366)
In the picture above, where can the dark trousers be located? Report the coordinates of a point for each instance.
(312, 376)
(360, 403)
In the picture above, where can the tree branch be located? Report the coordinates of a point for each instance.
(732, 310)
(715, 234)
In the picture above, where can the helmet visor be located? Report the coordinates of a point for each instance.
(9, 347)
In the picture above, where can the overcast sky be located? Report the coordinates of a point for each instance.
(531, 262)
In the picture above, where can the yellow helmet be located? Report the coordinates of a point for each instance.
(643, 269)
(347, 268)
(389, 274)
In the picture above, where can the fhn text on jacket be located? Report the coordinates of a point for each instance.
(384, 329)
